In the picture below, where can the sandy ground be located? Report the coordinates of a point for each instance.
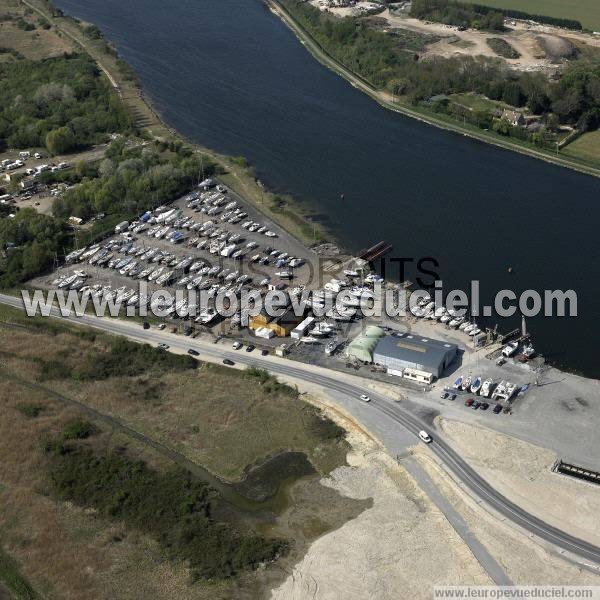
(474, 42)
(522, 472)
(524, 38)
(524, 560)
(400, 545)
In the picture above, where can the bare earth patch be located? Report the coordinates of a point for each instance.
(400, 547)
(522, 472)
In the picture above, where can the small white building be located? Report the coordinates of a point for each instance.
(302, 328)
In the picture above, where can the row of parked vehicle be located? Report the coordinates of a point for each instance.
(472, 402)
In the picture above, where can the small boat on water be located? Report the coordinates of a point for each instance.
(510, 349)
(476, 385)
(529, 351)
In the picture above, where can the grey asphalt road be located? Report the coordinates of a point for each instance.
(385, 407)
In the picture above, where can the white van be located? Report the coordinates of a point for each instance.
(425, 437)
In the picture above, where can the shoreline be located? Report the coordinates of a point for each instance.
(321, 55)
(294, 216)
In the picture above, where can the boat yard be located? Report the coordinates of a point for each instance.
(213, 242)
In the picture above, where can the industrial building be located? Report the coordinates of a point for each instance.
(414, 356)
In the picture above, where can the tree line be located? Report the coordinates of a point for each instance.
(574, 98)
(459, 14)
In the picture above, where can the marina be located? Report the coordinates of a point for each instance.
(404, 182)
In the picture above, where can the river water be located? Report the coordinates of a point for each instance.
(230, 75)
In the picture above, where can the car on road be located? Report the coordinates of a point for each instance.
(227, 361)
(161, 326)
(163, 346)
(237, 345)
(250, 347)
(444, 395)
(469, 401)
(193, 352)
(264, 353)
(425, 437)
(146, 325)
(452, 397)
(365, 398)
(497, 409)
(484, 406)
(476, 405)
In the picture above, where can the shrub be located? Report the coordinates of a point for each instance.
(174, 507)
(30, 409)
(78, 429)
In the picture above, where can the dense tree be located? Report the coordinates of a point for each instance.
(40, 97)
(60, 141)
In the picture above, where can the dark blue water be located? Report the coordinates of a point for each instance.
(230, 75)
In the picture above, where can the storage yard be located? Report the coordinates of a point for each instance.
(211, 244)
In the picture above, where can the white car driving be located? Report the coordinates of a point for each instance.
(425, 437)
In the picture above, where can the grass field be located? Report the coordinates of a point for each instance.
(44, 365)
(585, 11)
(35, 44)
(586, 147)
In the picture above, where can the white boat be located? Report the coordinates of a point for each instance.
(308, 339)
(440, 312)
(476, 385)
(284, 274)
(456, 385)
(446, 318)
(454, 323)
(466, 384)
(206, 316)
(474, 332)
(511, 388)
(350, 273)
(529, 351)
(510, 348)
(464, 325)
(469, 328)
(67, 281)
(486, 388)
(321, 329)
(77, 284)
(424, 301)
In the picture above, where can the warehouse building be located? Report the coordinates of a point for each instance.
(413, 356)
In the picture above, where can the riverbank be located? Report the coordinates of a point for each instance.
(299, 220)
(387, 101)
